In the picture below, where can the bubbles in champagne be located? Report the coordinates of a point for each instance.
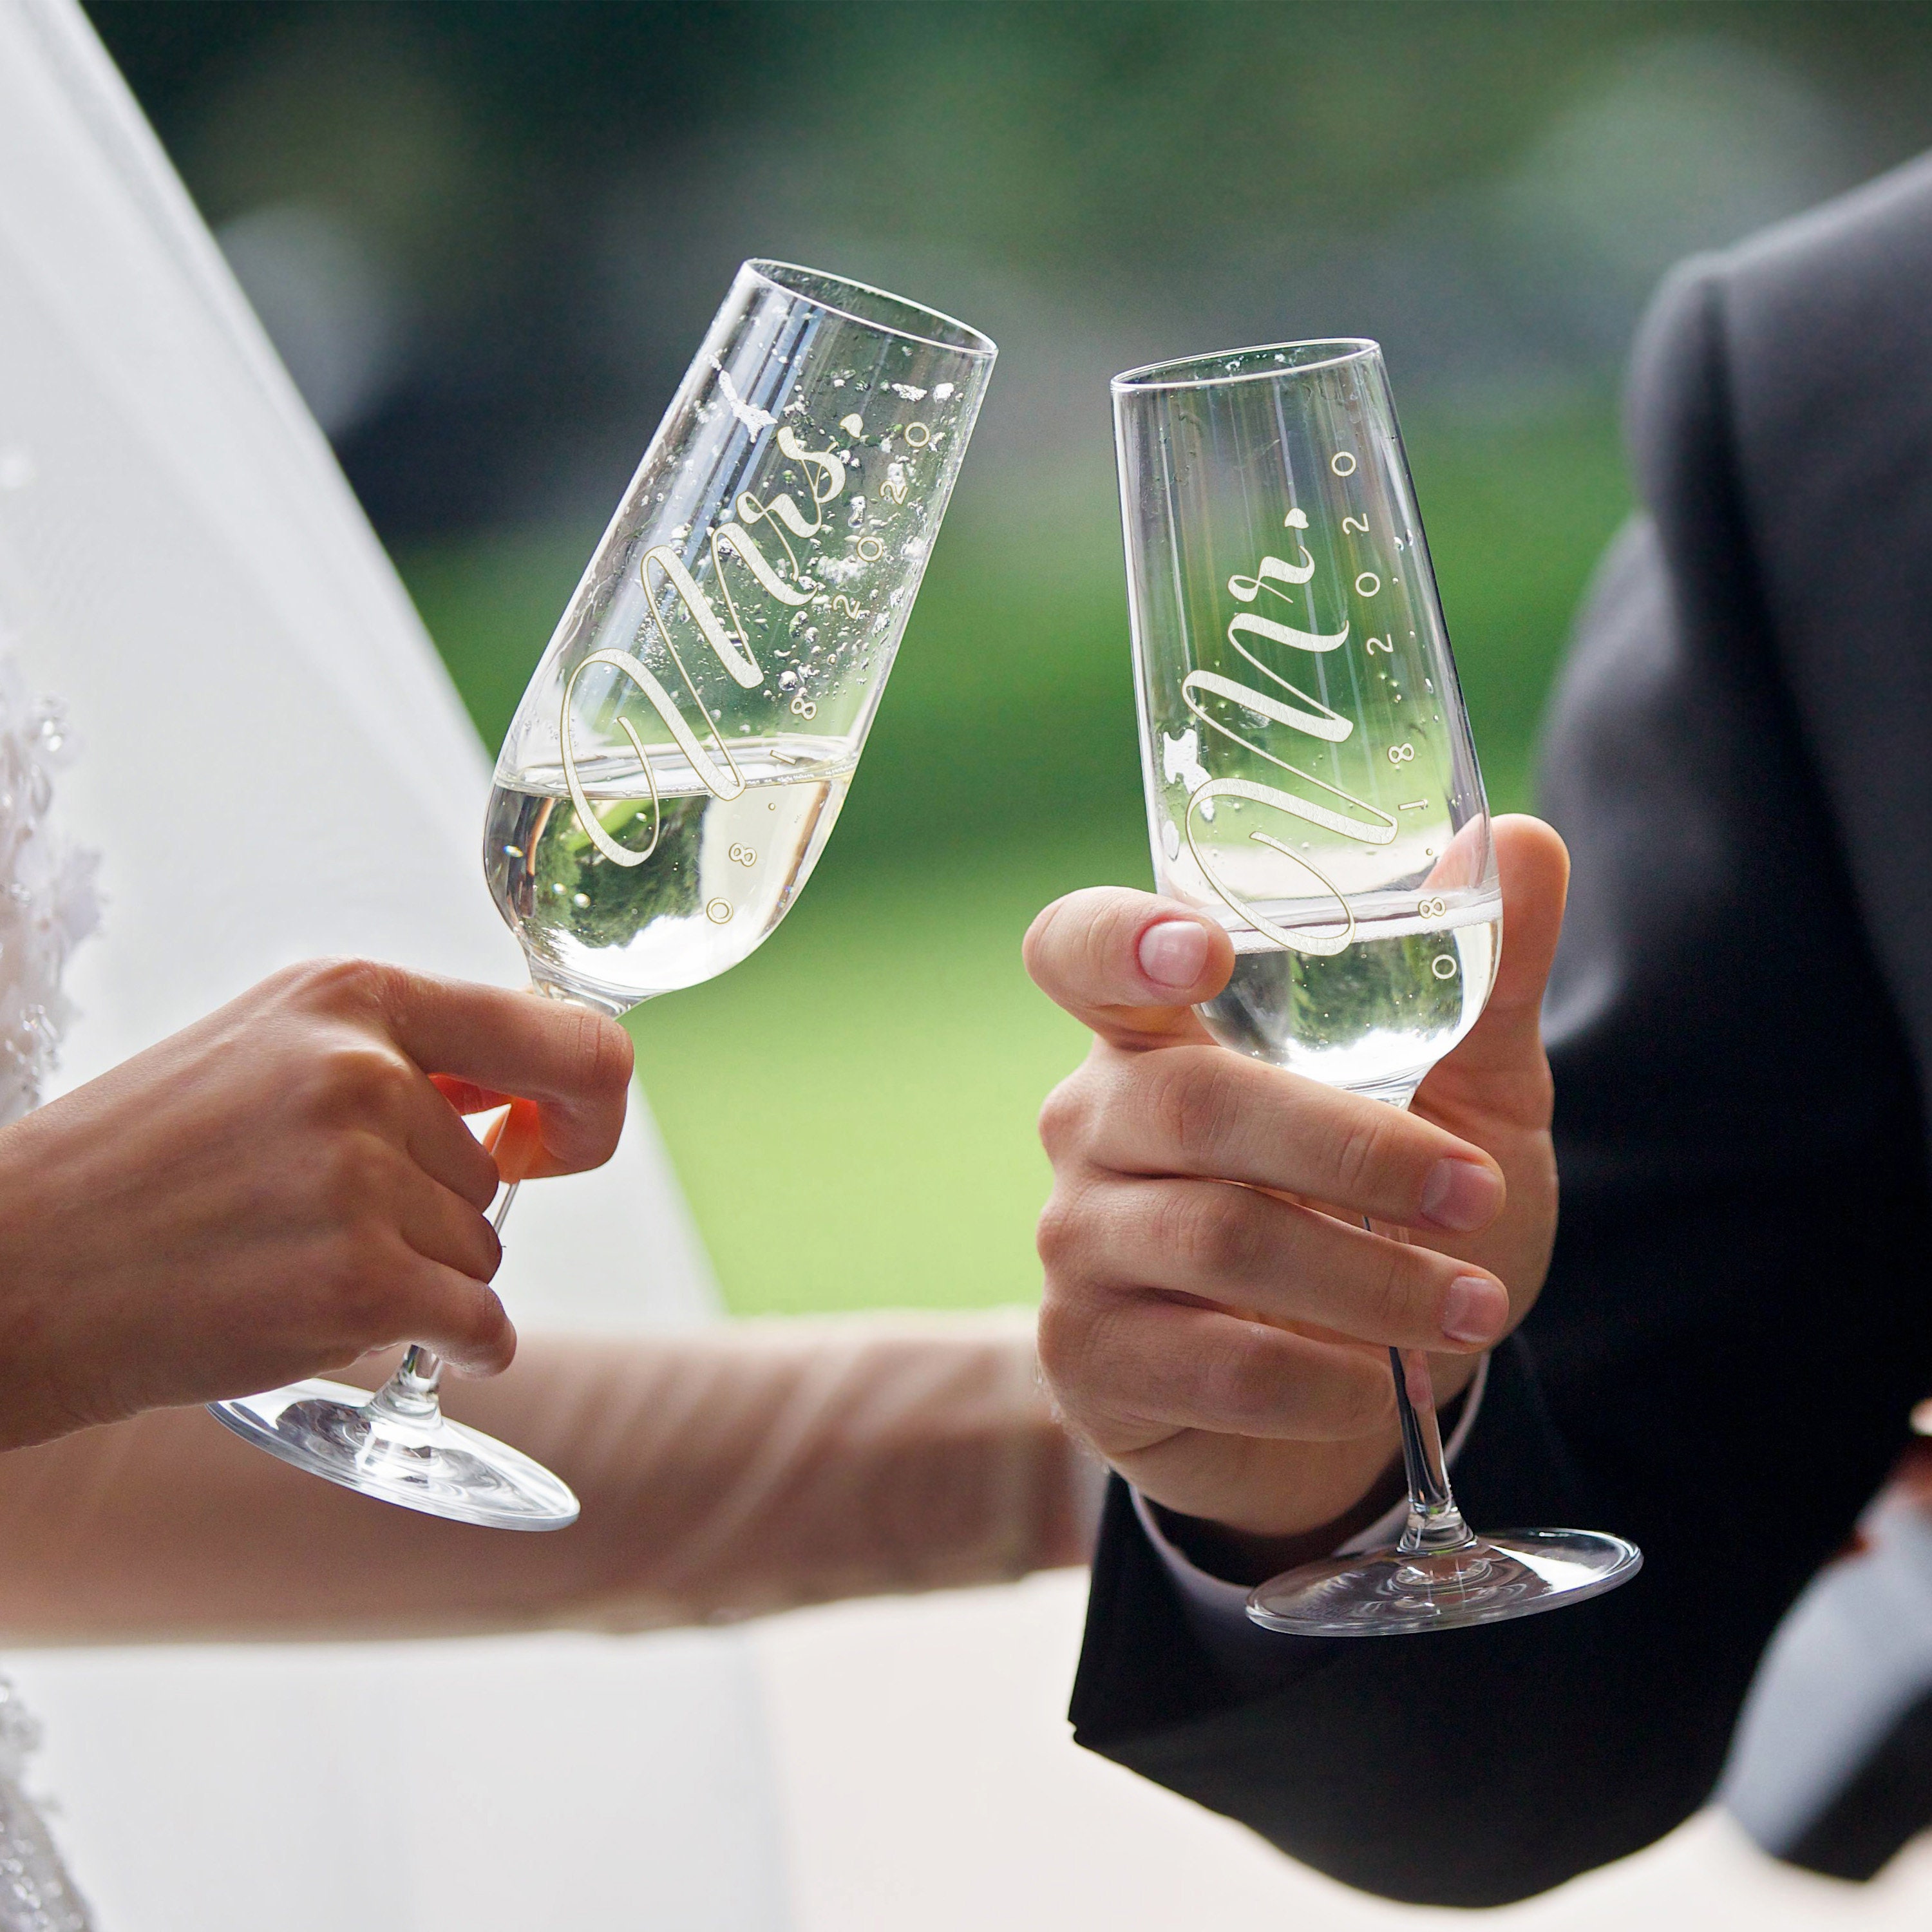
(721, 873)
(1375, 1016)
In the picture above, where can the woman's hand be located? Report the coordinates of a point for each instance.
(281, 1188)
(1217, 1318)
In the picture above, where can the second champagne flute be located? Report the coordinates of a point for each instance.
(1311, 784)
(680, 756)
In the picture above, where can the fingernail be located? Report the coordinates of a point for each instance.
(1173, 953)
(1475, 1310)
(1458, 1194)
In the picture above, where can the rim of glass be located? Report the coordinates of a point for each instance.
(822, 292)
(1207, 372)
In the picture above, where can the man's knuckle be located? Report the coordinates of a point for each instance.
(1062, 1230)
(1359, 1399)
(1360, 1150)
(1244, 1380)
(1194, 1101)
(1067, 1118)
(1219, 1231)
(1065, 1341)
(1072, 945)
(1098, 935)
(1391, 1289)
(1175, 1230)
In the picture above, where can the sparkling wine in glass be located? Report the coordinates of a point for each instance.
(683, 751)
(1311, 784)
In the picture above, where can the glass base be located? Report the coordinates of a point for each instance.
(1387, 1593)
(423, 1461)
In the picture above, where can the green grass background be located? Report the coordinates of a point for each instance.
(851, 1110)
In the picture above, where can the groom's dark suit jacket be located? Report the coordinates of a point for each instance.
(1738, 1318)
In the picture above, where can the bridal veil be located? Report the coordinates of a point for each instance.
(272, 763)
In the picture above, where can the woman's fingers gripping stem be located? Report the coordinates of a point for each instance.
(574, 1064)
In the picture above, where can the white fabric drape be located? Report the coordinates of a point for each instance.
(274, 764)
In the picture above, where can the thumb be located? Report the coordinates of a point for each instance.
(1128, 964)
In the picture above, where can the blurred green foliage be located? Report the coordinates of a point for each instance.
(486, 237)
(851, 1110)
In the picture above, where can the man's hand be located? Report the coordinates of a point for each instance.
(1217, 1318)
(282, 1188)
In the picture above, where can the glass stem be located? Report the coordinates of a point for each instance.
(1435, 1523)
(410, 1394)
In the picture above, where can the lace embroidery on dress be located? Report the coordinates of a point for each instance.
(36, 1894)
(47, 907)
(48, 904)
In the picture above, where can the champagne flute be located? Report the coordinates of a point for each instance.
(684, 747)
(1311, 783)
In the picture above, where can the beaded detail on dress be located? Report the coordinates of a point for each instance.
(47, 900)
(47, 907)
(36, 1894)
